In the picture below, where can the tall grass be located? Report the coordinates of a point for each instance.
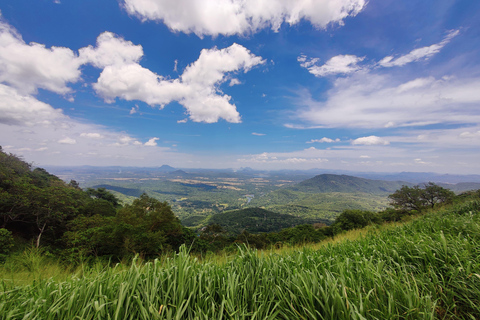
(427, 269)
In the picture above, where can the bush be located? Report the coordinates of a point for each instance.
(472, 207)
(354, 219)
(6, 243)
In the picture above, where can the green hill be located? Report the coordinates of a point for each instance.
(326, 183)
(255, 220)
(126, 191)
(461, 186)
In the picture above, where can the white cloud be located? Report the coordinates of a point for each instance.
(134, 109)
(67, 140)
(183, 120)
(125, 140)
(228, 17)
(418, 54)
(345, 64)
(18, 109)
(91, 135)
(370, 141)
(234, 82)
(469, 135)
(324, 139)
(196, 89)
(258, 134)
(420, 161)
(341, 64)
(46, 136)
(367, 100)
(152, 142)
(280, 159)
(111, 50)
(28, 67)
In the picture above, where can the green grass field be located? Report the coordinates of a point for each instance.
(428, 268)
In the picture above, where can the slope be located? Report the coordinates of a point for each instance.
(326, 183)
(255, 220)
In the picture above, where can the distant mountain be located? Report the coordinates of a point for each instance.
(179, 173)
(165, 168)
(461, 187)
(421, 177)
(255, 220)
(325, 183)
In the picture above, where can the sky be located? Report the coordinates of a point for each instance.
(371, 86)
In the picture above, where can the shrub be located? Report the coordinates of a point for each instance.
(6, 243)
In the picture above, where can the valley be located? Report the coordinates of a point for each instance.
(197, 194)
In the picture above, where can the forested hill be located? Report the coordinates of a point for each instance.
(325, 183)
(255, 220)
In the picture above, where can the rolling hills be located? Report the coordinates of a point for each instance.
(326, 183)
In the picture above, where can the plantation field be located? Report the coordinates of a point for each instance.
(428, 268)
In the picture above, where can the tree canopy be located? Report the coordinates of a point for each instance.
(419, 199)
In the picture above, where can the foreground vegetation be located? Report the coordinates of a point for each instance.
(426, 269)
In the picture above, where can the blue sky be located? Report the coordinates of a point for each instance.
(357, 85)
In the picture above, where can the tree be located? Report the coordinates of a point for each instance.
(102, 193)
(434, 194)
(53, 206)
(407, 198)
(95, 235)
(148, 226)
(418, 199)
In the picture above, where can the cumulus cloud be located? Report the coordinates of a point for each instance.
(258, 134)
(111, 50)
(228, 17)
(418, 54)
(324, 139)
(25, 110)
(152, 142)
(341, 64)
(370, 141)
(27, 67)
(196, 89)
(125, 140)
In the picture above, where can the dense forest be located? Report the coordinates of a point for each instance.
(39, 209)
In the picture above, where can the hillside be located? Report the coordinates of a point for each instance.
(461, 186)
(425, 269)
(255, 220)
(326, 183)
